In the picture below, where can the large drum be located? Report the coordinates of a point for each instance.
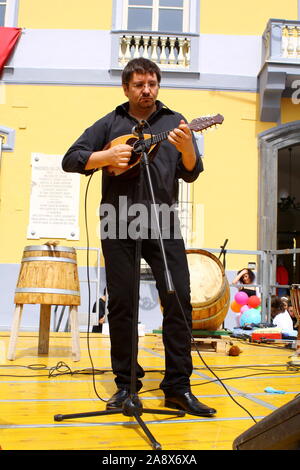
(48, 275)
(295, 299)
(210, 292)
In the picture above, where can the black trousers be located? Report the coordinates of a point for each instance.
(119, 258)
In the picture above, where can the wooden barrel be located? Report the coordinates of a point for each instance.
(210, 292)
(48, 275)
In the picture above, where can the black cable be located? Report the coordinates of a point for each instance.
(206, 365)
(88, 282)
(238, 378)
(180, 306)
(61, 368)
(31, 366)
(191, 335)
(229, 378)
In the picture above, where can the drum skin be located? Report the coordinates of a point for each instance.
(210, 291)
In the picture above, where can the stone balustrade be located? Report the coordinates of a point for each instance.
(290, 42)
(170, 52)
(281, 40)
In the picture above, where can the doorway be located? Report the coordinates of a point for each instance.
(273, 170)
(288, 209)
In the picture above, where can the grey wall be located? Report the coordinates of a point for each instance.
(77, 57)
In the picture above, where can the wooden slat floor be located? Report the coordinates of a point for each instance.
(33, 389)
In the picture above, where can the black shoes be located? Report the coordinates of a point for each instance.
(189, 403)
(179, 401)
(118, 399)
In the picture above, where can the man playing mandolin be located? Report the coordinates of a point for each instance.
(108, 145)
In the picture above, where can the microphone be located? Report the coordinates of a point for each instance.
(138, 128)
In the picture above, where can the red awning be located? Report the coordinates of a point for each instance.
(8, 39)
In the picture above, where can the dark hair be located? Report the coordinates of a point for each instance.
(142, 66)
(251, 274)
(277, 306)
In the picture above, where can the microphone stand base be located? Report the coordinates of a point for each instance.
(132, 407)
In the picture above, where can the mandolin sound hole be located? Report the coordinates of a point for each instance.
(134, 156)
(131, 141)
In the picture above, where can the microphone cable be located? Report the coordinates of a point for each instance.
(178, 301)
(88, 271)
(88, 282)
(206, 365)
(190, 330)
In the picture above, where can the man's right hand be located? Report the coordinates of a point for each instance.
(119, 155)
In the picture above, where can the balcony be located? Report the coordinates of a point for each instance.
(172, 52)
(280, 68)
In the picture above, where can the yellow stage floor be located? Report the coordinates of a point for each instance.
(33, 389)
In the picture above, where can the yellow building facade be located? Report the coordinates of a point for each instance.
(63, 75)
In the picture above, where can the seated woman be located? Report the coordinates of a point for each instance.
(245, 276)
(281, 317)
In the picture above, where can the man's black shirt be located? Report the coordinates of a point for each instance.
(166, 168)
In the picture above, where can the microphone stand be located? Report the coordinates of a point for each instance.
(223, 252)
(132, 406)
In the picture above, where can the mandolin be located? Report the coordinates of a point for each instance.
(151, 143)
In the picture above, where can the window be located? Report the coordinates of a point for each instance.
(2, 12)
(156, 15)
(7, 137)
(146, 28)
(9, 13)
(185, 211)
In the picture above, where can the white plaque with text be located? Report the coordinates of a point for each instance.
(54, 200)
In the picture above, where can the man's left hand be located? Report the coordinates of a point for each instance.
(181, 137)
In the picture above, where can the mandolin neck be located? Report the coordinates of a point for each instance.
(196, 125)
(155, 139)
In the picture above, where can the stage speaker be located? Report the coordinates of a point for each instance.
(278, 431)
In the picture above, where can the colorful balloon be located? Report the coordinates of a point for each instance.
(241, 298)
(235, 307)
(250, 316)
(244, 308)
(253, 301)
